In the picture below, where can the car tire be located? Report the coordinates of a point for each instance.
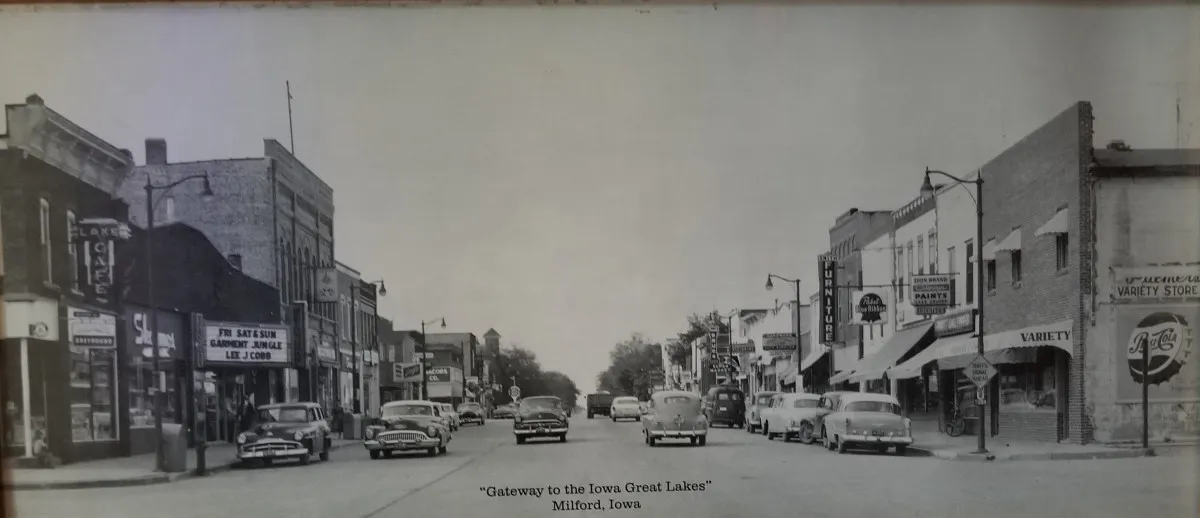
(482, 422)
(442, 450)
(589, 415)
(614, 419)
(806, 433)
(901, 449)
(703, 440)
(268, 463)
(694, 440)
(325, 450)
(520, 440)
(841, 445)
(562, 438)
(305, 459)
(767, 431)
(432, 452)
(651, 441)
(375, 454)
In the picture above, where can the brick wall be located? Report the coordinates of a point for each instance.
(1037, 426)
(1023, 188)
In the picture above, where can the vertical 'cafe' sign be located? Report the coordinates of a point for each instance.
(829, 301)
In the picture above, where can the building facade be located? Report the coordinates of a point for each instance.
(399, 366)
(357, 341)
(849, 233)
(452, 362)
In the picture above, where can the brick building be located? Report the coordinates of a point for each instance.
(272, 217)
(455, 353)
(59, 385)
(398, 351)
(357, 341)
(852, 230)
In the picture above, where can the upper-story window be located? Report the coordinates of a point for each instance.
(900, 277)
(933, 252)
(1061, 260)
(920, 255)
(72, 253)
(970, 277)
(47, 260)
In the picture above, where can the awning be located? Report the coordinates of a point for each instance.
(875, 365)
(989, 251)
(844, 373)
(1056, 225)
(812, 358)
(1012, 243)
(956, 352)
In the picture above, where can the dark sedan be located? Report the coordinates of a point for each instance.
(286, 431)
(503, 412)
(471, 413)
(540, 416)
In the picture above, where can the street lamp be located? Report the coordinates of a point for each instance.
(424, 351)
(354, 289)
(158, 375)
(927, 189)
(797, 283)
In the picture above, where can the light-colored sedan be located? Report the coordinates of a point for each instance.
(868, 421)
(625, 408)
(794, 415)
(675, 414)
(766, 414)
(451, 416)
(408, 426)
(754, 408)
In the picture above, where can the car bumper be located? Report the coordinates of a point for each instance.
(871, 439)
(659, 434)
(539, 432)
(620, 414)
(279, 453)
(753, 421)
(423, 444)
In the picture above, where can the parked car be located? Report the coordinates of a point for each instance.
(408, 426)
(792, 416)
(451, 416)
(756, 404)
(471, 412)
(675, 414)
(625, 408)
(286, 431)
(726, 405)
(863, 420)
(540, 416)
(825, 406)
(503, 412)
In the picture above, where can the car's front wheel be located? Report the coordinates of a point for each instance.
(562, 438)
(520, 440)
(432, 452)
(806, 435)
(703, 440)
(325, 450)
(442, 449)
(901, 449)
(375, 454)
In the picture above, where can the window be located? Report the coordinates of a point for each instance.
(169, 209)
(971, 267)
(920, 255)
(1060, 251)
(951, 265)
(908, 267)
(47, 261)
(933, 252)
(899, 274)
(991, 275)
(872, 406)
(1016, 266)
(72, 253)
(93, 390)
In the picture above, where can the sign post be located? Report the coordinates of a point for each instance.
(514, 392)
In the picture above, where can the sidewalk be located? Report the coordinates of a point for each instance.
(137, 470)
(929, 442)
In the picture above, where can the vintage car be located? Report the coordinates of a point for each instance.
(792, 415)
(471, 412)
(408, 426)
(625, 407)
(825, 406)
(503, 412)
(726, 405)
(768, 411)
(286, 431)
(675, 414)
(754, 408)
(868, 421)
(540, 416)
(451, 416)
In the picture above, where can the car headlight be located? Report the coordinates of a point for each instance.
(517, 419)
(241, 438)
(792, 422)
(298, 435)
(432, 431)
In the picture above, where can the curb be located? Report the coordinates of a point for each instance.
(1012, 457)
(144, 480)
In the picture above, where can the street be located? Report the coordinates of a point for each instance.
(741, 475)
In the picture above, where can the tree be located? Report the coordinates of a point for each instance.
(561, 385)
(632, 363)
(520, 366)
(697, 326)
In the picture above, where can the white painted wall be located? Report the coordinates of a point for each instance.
(956, 225)
(904, 236)
(877, 268)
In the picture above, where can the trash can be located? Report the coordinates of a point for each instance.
(174, 448)
(352, 426)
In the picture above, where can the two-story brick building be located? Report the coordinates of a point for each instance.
(852, 230)
(357, 341)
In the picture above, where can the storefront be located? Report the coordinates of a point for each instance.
(445, 384)
(94, 382)
(139, 380)
(240, 363)
(31, 348)
(327, 366)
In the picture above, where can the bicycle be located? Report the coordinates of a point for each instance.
(955, 426)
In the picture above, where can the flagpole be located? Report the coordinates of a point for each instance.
(291, 132)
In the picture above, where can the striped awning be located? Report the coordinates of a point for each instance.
(874, 366)
(956, 352)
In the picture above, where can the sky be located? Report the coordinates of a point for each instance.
(572, 175)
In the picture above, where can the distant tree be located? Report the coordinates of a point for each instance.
(519, 366)
(561, 385)
(697, 326)
(631, 364)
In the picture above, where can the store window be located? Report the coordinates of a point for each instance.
(93, 391)
(1060, 252)
(1029, 387)
(141, 390)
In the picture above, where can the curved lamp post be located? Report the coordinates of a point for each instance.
(927, 189)
(797, 283)
(159, 377)
(424, 351)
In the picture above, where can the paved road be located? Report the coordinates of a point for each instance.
(743, 475)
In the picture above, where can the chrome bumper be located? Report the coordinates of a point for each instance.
(286, 450)
(374, 445)
(627, 414)
(871, 439)
(678, 433)
(540, 431)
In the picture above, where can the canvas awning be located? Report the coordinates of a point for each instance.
(874, 366)
(812, 357)
(1056, 225)
(844, 373)
(956, 352)
(1012, 243)
(989, 251)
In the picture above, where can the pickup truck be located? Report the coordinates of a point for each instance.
(599, 404)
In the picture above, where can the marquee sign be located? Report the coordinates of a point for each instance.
(248, 345)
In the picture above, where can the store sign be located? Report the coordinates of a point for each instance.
(1155, 283)
(406, 372)
(246, 344)
(327, 285)
(325, 351)
(747, 347)
(1166, 336)
(780, 342)
(932, 294)
(829, 301)
(439, 375)
(170, 329)
(87, 328)
(98, 237)
(955, 323)
(869, 307)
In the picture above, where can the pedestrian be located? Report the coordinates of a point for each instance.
(249, 414)
(337, 421)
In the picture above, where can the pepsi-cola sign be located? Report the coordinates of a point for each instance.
(1167, 332)
(1168, 337)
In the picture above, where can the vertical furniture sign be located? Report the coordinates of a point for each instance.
(829, 301)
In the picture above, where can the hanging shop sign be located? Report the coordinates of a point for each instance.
(747, 347)
(325, 351)
(1156, 283)
(439, 375)
(955, 323)
(248, 345)
(1169, 332)
(99, 237)
(869, 307)
(780, 342)
(829, 301)
(87, 328)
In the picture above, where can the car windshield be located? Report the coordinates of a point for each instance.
(873, 406)
(542, 403)
(625, 401)
(406, 410)
(283, 415)
(805, 403)
(764, 400)
(677, 400)
(468, 406)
